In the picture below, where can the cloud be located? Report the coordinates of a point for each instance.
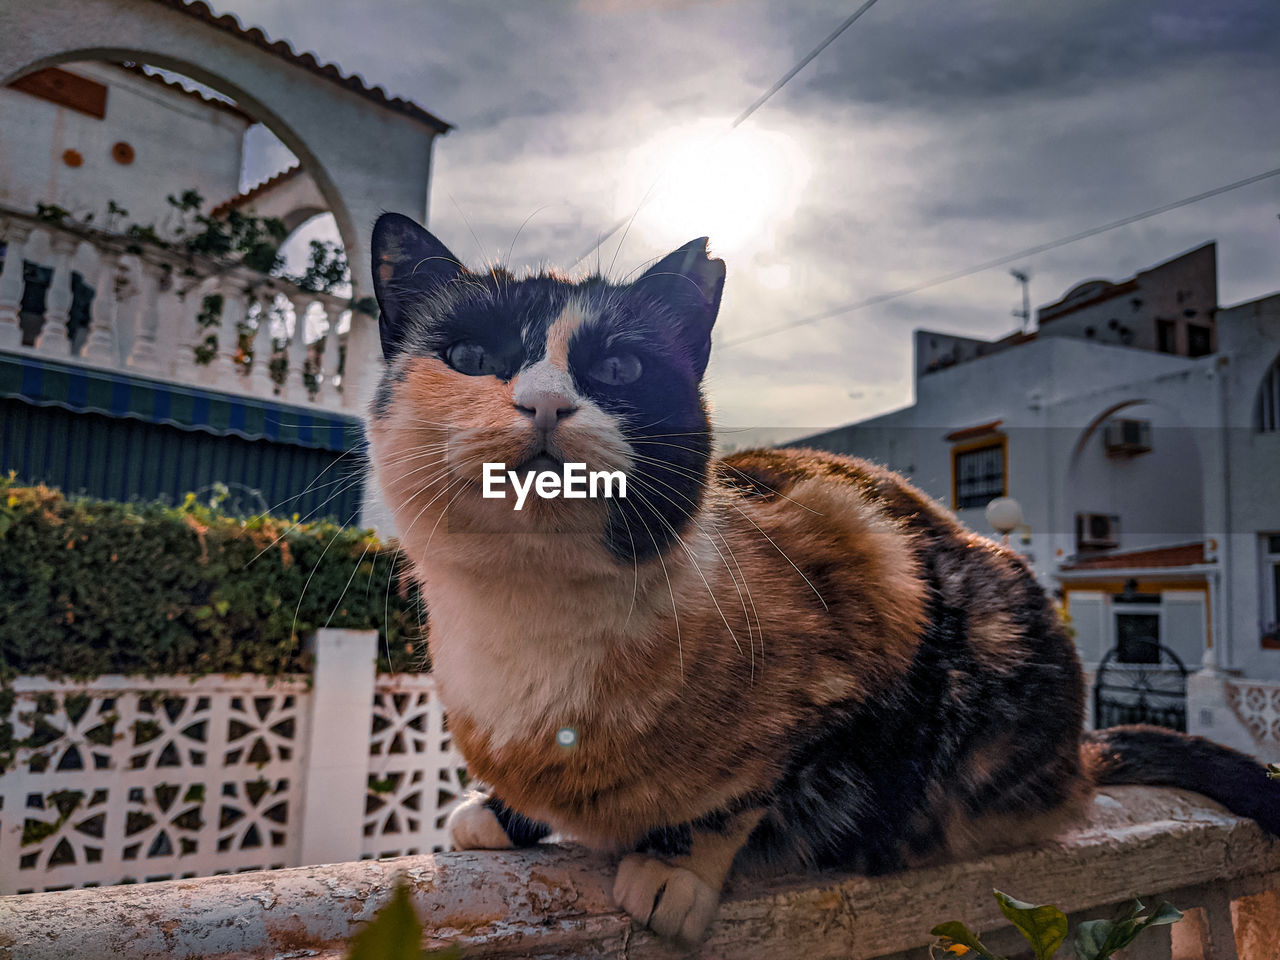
(920, 54)
(936, 135)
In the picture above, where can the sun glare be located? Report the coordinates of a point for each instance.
(737, 188)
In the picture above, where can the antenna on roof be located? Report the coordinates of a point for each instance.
(1023, 277)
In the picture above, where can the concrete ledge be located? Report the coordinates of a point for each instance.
(555, 901)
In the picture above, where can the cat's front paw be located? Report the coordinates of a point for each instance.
(474, 826)
(670, 901)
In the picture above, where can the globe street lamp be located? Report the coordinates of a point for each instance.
(1005, 515)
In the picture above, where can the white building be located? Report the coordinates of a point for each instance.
(86, 133)
(117, 331)
(1139, 429)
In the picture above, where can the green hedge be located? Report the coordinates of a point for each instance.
(91, 587)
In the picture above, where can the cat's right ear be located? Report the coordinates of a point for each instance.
(408, 264)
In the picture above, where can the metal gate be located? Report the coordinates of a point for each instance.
(1153, 690)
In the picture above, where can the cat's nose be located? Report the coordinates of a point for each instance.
(545, 408)
(544, 393)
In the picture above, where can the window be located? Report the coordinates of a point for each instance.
(1267, 409)
(1097, 531)
(1198, 340)
(1166, 336)
(1271, 584)
(978, 473)
(66, 89)
(1138, 637)
(1127, 437)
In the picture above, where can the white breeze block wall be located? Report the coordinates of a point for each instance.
(136, 779)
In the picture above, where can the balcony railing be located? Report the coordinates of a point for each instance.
(176, 317)
(555, 902)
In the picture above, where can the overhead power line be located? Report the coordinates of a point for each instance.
(997, 262)
(808, 58)
(755, 105)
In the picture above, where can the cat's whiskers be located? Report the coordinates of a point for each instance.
(694, 560)
(693, 519)
(421, 453)
(359, 454)
(635, 561)
(520, 229)
(677, 468)
(347, 484)
(404, 536)
(675, 609)
(645, 441)
(711, 540)
(316, 566)
(341, 596)
(461, 490)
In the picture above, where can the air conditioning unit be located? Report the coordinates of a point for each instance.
(1126, 437)
(1097, 531)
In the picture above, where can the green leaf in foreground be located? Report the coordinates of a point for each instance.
(960, 940)
(395, 934)
(1099, 939)
(1044, 927)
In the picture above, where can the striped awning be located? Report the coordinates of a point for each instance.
(49, 383)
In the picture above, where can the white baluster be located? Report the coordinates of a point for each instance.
(195, 334)
(176, 316)
(234, 309)
(144, 355)
(15, 238)
(332, 354)
(53, 338)
(364, 352)
(264, 348)
(101, 347)
(220, 371)
(296, 384)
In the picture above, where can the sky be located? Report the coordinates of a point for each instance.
(932, 135)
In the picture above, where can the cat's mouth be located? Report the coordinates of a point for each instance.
(540, 462)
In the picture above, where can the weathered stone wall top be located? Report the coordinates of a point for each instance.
(555, 901)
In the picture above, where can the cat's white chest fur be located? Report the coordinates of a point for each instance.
(516, 667)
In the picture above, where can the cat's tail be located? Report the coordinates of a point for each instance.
(1158, 757)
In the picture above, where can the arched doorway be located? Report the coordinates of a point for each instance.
(311, 160)
(366, 151)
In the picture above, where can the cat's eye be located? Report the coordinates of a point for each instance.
(469, 357)
(616, 370)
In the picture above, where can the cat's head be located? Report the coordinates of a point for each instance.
(532, 372)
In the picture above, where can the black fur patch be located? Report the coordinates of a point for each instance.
(520, 830)
(668, 842)
(1159, 757)
(385, 394)
(870, 783)
(662, 415)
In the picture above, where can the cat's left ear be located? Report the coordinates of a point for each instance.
(690, 282)
(408, 264)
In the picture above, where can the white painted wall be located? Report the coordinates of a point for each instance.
(1159, 496)
(178, 143)
(1210, 475)
(1249, 335)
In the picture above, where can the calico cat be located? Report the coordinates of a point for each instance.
(781, 656)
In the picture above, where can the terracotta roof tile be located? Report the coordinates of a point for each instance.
(307, 61)
(1183, 555)
(240, 199)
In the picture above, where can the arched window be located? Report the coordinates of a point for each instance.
(1266, 415)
